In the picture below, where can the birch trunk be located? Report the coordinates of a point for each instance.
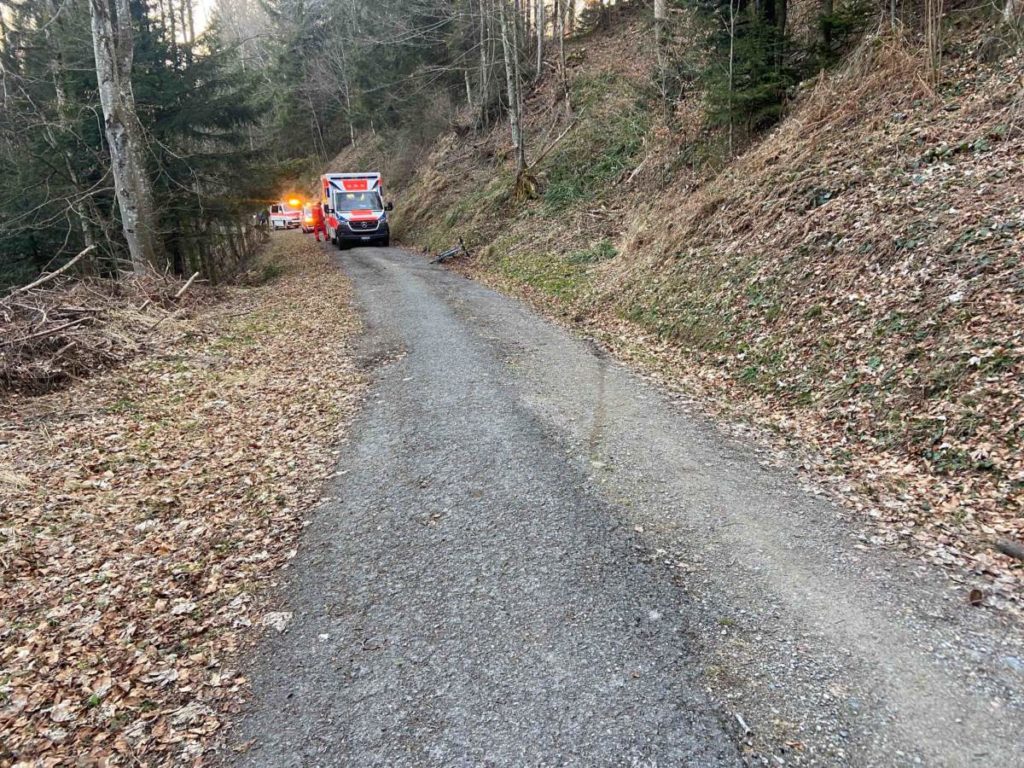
(113, 48)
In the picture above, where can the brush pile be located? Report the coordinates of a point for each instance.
(62, 327)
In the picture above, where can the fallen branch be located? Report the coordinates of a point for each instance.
(185, 287)
(549, 147)
(44, 333)
(637, 170)
(177, 296)
(61, 351)
(47, 277)
(743, 724)
(153, 327)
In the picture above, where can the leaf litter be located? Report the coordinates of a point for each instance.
(144, 512)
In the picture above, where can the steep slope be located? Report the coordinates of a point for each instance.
(852, 281)
(860, 271)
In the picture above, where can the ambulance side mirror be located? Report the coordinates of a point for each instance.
(327, 208)
(389, 207)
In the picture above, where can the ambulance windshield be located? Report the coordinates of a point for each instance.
(357, 201)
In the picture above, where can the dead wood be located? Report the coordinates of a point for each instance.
(48, 276)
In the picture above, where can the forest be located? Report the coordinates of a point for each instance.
(703, 446)
(152, 131)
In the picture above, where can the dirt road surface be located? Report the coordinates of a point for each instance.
(531, 557)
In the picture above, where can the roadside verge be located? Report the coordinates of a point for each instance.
(145, 511)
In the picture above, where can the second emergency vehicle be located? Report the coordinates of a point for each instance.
(285, 215)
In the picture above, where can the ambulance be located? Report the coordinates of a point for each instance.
(354, 209)
(286, 214)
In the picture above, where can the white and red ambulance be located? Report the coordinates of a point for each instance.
(286, 214)
(354, 209)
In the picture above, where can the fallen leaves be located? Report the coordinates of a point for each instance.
(879, 330)
(144, 511)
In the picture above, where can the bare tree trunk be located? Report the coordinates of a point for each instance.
(346, 89)
(113, 48)
(1012, 11)
(827, 9)
(560, 11)
(517, 49)
(191, 21)
(173, 31)
(540, 38)
(83, 205)
(732, 59)
(660, 15)
(485, 85)
(182, 19)
(188, 28)
(933, 37)
(781, 19)
(521, 9)
(318, 134)
(512, 85)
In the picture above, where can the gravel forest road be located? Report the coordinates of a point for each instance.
(532, 557)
